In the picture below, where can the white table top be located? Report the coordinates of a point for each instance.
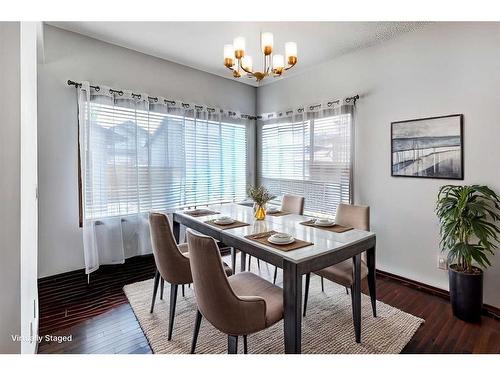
(323, 241)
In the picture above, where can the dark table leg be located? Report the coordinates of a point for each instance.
(372, 283)
(356, 297)
(243, 260)
(176, 228)
(233, 259)
(292, 299)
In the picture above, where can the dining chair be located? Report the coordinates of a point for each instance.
(238, 305)
(172, 262)
(357, 217)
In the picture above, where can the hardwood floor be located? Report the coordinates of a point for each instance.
(100, 320)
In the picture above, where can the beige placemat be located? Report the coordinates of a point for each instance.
(334, 228)
(200, 212)
(278, 213)
(262, 238)
(236, 224)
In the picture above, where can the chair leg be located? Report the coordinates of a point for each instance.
(155, 290)
(275, 274)
(258, 263)
(197, 325)
(308, 279)
(322, 284)
(249, 262)
(162, 286)
(245, 345)
(347, 290)
(232, 344)
(183, 291)
(173, 301)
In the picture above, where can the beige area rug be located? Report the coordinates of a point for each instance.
(327, 328)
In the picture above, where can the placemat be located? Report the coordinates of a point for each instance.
(334, 228)
(236, 224)
(201, 212)
(262, 238)
(278, 213)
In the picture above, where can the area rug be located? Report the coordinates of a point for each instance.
(327, 328)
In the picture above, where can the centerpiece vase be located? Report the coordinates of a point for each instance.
(260, 212)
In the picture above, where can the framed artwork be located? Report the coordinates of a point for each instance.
(428, 148)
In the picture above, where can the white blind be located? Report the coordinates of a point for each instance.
(309, 155)
(142, 156)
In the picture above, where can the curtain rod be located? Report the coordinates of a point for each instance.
(155, 99)
(313, 107)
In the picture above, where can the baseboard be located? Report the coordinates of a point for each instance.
(488, 310)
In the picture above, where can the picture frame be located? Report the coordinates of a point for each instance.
(430, 147)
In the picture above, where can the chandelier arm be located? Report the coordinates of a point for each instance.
(248, 71)
(291, 66)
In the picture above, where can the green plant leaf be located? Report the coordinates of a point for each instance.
(469, 227)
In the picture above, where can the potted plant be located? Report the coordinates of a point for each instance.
(469, 232)
(260, 195)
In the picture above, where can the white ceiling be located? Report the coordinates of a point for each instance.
(200, 44)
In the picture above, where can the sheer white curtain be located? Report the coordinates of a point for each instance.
(139, 154)
(309, 152)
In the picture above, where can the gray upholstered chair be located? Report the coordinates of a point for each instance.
(172, 262)
(293, 204)
(357, 217)
(238, 305)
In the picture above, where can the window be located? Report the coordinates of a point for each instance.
(141, 156)
(309, 155)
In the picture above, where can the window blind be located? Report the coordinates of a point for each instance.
(309, 155)
(142, 156)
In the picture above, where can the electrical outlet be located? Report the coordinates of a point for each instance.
(442, 263)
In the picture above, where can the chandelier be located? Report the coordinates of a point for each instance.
(274, 65)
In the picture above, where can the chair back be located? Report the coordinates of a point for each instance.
(170, 262)
(350, 215)
(215, 298)
(293, 204)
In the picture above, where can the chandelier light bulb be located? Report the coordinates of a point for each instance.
(228, 51)
(278, 62)
(239, 47)
(228, 55)
(266, 43)
(291, 52)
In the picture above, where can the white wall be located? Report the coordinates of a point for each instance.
(18, 167)
(10, 212)
(443, 69)
(76, 57)
(29, 180)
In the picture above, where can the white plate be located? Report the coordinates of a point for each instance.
(272, 210)
(224, 222)
(330, 224)
(291, 240)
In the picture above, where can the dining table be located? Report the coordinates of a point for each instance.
(327, 248)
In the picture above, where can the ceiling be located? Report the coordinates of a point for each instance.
(200, 44)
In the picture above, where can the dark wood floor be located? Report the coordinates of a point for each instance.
(100, 320)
